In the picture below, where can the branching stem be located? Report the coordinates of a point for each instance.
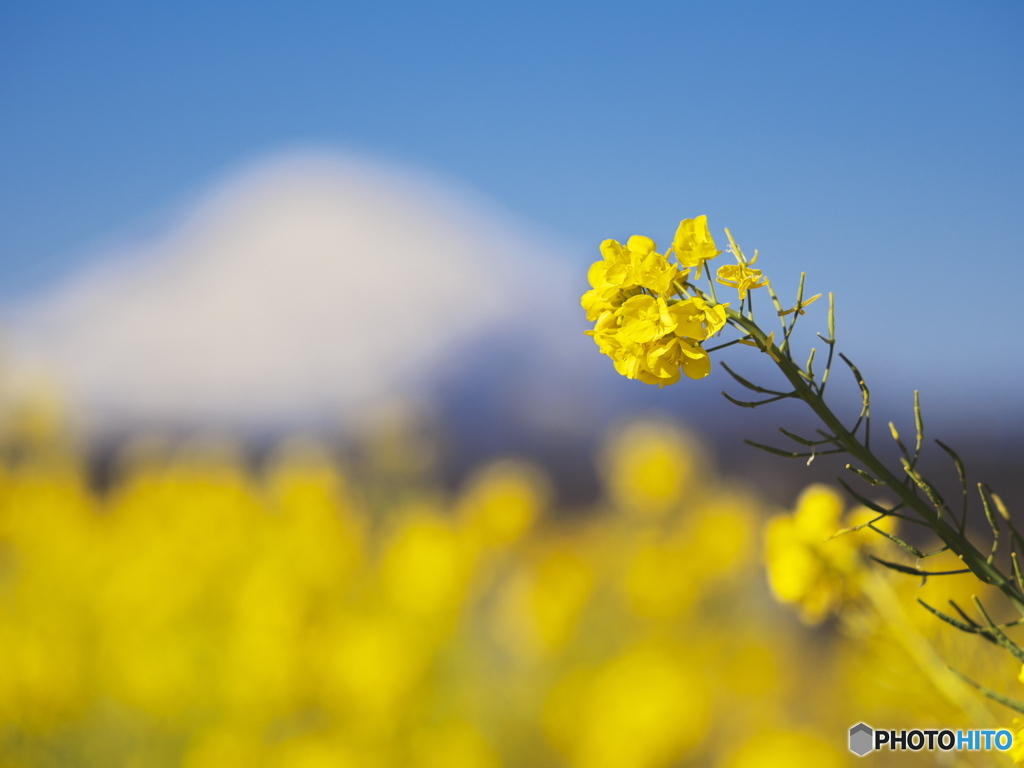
(943, 525)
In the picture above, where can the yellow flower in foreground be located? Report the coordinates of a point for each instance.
(640, 338)
(693, 244)
(596, 302)
(696, 319)
(645, 318)
(658, 362)
(668, 357)
(637, 263)
(741, 277)
(624, 354)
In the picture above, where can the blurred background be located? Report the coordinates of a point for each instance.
(339, 248)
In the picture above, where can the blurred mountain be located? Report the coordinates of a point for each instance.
(306, 290)
(318, 291)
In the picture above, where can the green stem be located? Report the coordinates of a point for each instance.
(958, 542)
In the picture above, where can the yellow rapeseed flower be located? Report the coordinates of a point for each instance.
(808, 565)
(644, 318)
(696, 319)
(669, 356)
(624, 271)
(741, 277)
(625, 354)
(595, 302)
(641, 340)
(637, 263)
(693, 244)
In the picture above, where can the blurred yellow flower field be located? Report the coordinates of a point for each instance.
(202, 613)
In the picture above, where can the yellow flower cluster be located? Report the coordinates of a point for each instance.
(644, 321)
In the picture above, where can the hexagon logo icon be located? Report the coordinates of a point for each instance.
(862, 739)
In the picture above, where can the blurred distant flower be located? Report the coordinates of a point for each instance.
(649, 466)
(426, 567)
(275, 619)
(643, 709)
(502, 501)
(786, 749)
(808, 564)
(540, 608)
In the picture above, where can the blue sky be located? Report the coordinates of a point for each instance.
(875, 145)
